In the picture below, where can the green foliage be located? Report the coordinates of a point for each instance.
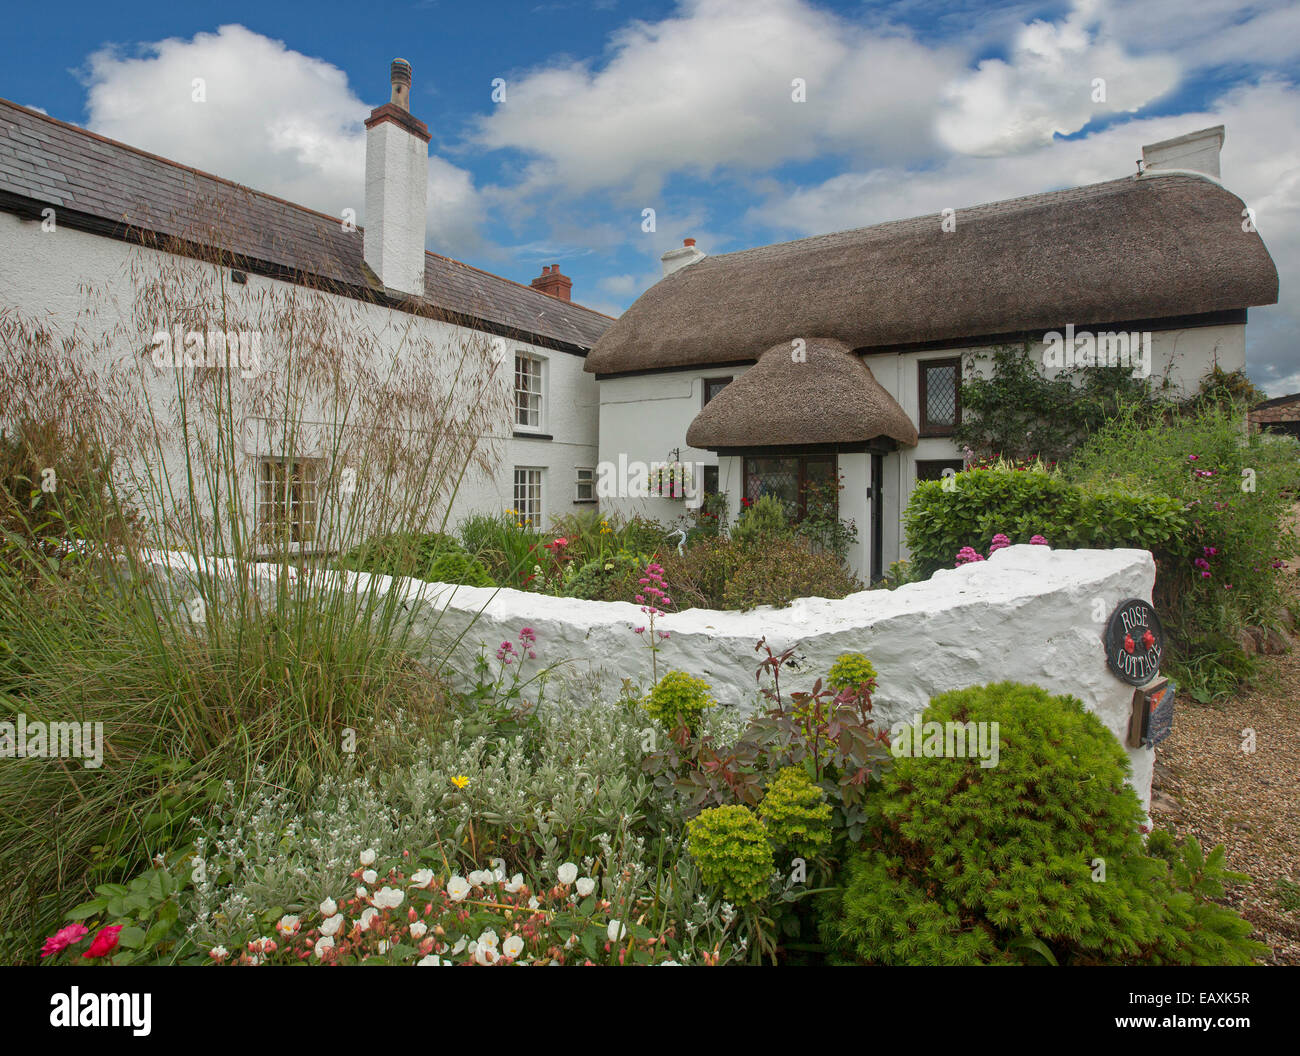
(979, 865)
(783, 568)
(610, 578)
(821, 525)
(1222, 571)
(147, 908)
(506, 547)
(796, 813)
(761, 520)
(678, 699)
(1020, 412)
(978, 504)
(459, 568)
(851, 670)
(431, 556)
(731, 848)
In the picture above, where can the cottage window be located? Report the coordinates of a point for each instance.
(286, 499)
(585, 485)
(791, 478)
(940, 396)
(713, 386)
(528, 391)
(528, 495)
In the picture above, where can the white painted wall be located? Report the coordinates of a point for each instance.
(1024, 615)
(42, 275)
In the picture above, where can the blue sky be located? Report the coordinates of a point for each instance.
(613, 107)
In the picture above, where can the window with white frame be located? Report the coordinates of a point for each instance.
(528, 495)
(286, 499)
(528, 391)
(585, 485)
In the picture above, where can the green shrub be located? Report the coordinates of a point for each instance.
(611, 578)
(765, 518)
(976, 505)
(678, 699)
(1223, 570)
(851, 670)
(401, 554)
(731, 848)
(460, 568)
(796, 813)
(969, 864)
(779, 569)
(508, 548)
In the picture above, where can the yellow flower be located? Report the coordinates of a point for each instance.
(460, 780)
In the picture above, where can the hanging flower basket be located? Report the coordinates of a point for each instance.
(670, 480)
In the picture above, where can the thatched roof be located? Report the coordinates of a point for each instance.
(828, 397)
(1157, 246)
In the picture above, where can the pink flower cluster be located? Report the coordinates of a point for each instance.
(104, 942)
(968, 554)
(653, 584)
(507, 653)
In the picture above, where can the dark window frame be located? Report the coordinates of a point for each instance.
(955, 463)
(724, 382)
(802, 458)
(926, 427)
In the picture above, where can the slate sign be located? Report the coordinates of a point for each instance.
(1158, 713)
(1135, 642)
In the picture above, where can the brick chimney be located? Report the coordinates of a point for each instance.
(397, 176)
(1196, 151)
(552, 283)
(676, 259)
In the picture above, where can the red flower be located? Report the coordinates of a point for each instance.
(1148, 639)
(105, 942)
(63, 938)
(1128, 643)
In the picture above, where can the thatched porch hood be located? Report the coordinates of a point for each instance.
(1156, 246)
(817, 392)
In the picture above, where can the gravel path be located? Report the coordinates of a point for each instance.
(1206, 785)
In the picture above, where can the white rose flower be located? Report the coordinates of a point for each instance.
(515, 884)
(669, 964)
(368, 856)
(433, 960)
(328, 908)
(615, 931)
(488, 938)
(586, 885)
(389, 897)
(568, 873)
(370, 876)
(479, 877)
(533, 903)
(460, 945)
(287, 926)
(513, 946)
(363, 892)
(487, 955)
(422, 878)
(417, 929)
(368, 916)
(325, 942)
(332, 925)
(457, 888)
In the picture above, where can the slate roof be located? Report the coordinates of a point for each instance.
(1158, 246)
(114, 189)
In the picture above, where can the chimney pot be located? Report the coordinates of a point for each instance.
(552, 283)
(676, 259)
(399, 73)
(688, 241)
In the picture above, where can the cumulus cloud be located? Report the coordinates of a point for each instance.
(1060, 76)
(272, 118)
(714, 86)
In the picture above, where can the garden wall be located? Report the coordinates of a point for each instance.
(1029, 614)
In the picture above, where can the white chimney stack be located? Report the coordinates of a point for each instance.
(676, 259)
(397, 176)
(1195, 152)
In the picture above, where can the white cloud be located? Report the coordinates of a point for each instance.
(711, 87)
(1060, 76)
(274, 119)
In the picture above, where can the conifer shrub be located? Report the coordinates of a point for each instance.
(796, 814)
(763, 519)
(734, 855)
(1039, 858)
(851, 670)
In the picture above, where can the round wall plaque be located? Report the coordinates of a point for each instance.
(1135, 642)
